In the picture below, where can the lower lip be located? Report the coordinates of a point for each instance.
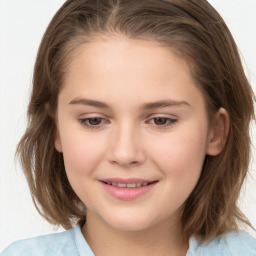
(127, 193)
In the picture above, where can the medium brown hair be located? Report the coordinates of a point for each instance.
(195, 31)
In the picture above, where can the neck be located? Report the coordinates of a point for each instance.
(164, 239)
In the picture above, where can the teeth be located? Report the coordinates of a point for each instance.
(133, 185)
(130, 185)
(121, 185)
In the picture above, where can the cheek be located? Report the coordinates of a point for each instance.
(181, 154)
(81, 153)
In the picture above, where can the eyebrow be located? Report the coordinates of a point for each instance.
(164, 104)
(89, 102)
(145, 106)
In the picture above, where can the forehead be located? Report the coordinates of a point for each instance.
(122, 67)
(103, 54)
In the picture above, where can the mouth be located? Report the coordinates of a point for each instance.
(127, 189)
(128, 185)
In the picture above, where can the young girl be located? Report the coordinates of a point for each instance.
(138, 136)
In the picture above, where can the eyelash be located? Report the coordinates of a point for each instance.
(170, 121)
(85, 122)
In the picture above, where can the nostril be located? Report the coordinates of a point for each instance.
(125, 163)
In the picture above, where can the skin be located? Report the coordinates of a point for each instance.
(127, 140)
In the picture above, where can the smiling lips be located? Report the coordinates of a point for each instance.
(128, 189)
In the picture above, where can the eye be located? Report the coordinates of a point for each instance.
(93, 122)
(162, 121)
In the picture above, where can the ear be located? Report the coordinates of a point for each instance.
(57, 141)
(218, 133)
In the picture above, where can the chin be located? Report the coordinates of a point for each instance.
(130, 223)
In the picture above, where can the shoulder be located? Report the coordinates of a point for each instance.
(231, 244)
(60, 244)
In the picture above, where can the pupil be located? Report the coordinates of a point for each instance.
(95, 121)
(160, 121)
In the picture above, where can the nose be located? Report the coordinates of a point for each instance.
(126, 147)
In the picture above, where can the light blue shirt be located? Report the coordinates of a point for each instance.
(72, 243)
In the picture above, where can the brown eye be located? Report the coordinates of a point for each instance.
(162, 121)
(93, 122)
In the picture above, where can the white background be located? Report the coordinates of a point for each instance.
(22, 24)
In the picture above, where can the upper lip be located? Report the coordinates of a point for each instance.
(127, 181)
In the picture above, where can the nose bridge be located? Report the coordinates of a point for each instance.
(126, 147)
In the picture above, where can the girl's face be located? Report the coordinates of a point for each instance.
(134, 132)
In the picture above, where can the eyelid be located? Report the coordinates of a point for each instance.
(171, 121)
(84, 120)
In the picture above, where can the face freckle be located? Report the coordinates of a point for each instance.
(130, 113)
